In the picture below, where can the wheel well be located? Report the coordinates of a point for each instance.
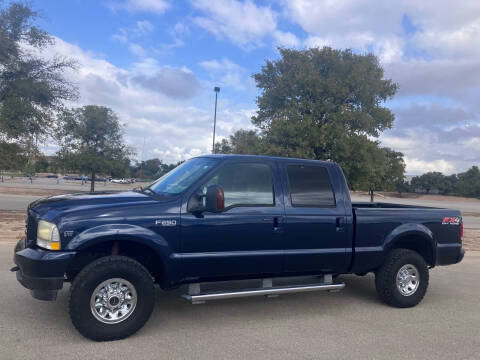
(416, 243)
(132, 249)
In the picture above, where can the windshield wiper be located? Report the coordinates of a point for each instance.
(143, 190)
(148, 190)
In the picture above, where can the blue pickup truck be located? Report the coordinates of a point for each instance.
(226, 218)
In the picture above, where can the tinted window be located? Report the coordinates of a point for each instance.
(245, 184)
(310, 186)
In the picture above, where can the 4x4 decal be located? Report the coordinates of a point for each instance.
(451, 220)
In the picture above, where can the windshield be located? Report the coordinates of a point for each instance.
(180, 178)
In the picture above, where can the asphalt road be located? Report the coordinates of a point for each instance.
(74, 185)
(16, 202)
(352, 324)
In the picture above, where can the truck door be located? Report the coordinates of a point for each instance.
(315, 229)
(246, 237)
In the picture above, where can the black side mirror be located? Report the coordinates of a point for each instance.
(214, 199)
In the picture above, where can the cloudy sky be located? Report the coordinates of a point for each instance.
(155, 62)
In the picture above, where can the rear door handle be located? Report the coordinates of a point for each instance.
(339, 224)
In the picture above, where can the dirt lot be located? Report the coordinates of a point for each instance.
(12, 225)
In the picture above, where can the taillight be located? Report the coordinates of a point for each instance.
(461, 231)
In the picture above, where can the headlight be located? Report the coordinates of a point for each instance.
(48, 236)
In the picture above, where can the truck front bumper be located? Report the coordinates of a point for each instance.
(41, 271)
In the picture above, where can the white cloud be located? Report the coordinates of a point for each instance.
(134, 6)
(141, 28)
(286, 39)
(144, 27)
(137, 50)
(358, 24)
(154, 101)
(243, 23)
(226, 72)
(125, 36)
(417, 166)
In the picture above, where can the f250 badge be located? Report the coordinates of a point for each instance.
(451, 220)
(166, 222)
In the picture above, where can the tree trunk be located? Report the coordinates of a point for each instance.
(92, 182)
(371, 195)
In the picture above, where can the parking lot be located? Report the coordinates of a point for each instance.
(350, 324)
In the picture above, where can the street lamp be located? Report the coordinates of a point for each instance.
(216, 89)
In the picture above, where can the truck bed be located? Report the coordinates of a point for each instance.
(382, 205)
(378, 224)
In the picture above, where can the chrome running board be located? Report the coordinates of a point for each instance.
(196, 297)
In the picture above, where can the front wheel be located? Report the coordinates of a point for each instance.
(111, 298)
(402, 280)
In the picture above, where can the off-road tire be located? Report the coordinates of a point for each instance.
(385, 278)
(94, 274)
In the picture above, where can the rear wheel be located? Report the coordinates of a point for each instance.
(402, 280)
(111, 298)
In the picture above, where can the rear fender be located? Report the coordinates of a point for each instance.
(410, 230)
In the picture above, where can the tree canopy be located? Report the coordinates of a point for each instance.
(151, 169)
(32, 88)
(91, 140)
(324, 104)
(12, 156)
(469, 182)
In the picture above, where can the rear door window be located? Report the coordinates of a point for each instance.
(310, 186)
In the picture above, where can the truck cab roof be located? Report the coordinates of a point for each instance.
(266, 157)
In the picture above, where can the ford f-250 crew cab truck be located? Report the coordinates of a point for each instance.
(225, 218)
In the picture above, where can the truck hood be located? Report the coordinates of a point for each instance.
(84, 201)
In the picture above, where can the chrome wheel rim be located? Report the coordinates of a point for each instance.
(113, 301)
(408, 280)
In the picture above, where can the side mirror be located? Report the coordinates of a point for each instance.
(214, 199)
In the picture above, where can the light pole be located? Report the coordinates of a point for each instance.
(216, 89)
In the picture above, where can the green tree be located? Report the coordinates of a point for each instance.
(12, 156)
(313, 100)
(148, 169)
(41, 164)
(32, 88)
(120, 169)
(429, 181)
(402, 186)
(324, 104)
(450, 184)
(374, 168)
(91, 140)
(241, 142)
(469, 182)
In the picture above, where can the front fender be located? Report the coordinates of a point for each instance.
(125, 232)
(102, 233)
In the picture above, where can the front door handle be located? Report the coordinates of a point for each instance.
(275, 224)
